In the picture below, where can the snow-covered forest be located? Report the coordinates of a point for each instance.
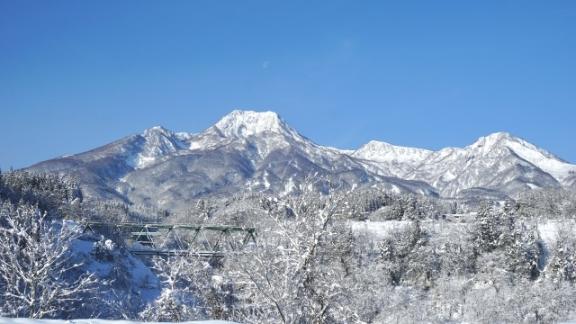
(361, 256)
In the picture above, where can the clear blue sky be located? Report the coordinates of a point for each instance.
(78, 74)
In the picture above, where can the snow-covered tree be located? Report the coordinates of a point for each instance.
(176, 302)
(295, 274)
(191, 290)
(562, 263)
(37, 277)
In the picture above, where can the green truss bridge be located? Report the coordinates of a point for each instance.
(150, 239)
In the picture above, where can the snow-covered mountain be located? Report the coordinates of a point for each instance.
(258, 151)
(390, 159)
(498, 162)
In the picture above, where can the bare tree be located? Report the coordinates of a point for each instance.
(191, 290)
(295, 274)
(37, 277)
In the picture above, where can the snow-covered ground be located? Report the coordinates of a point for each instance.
(140, 277)
(381, 229)
(378, 230)
(548, 232)
(91, 321)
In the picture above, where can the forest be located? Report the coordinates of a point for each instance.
(359, 256)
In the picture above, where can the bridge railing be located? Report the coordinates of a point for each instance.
(206, 240)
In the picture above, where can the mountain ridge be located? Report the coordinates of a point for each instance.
(259, 151)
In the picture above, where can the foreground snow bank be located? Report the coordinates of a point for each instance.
(90, 321)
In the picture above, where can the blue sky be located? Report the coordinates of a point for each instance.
(78, 74)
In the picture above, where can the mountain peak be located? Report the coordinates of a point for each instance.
(494, 139)
(500, 135)
(156, 131)
(546, 161)
(240, 123)
(158, 142)
(374, 145)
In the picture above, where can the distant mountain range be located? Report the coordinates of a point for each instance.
(257, 151)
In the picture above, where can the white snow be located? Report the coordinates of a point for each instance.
(158, 143)
(266, 182)
(289, 187)
(548, 232)
(268, 132)
(448, 176)
(184, 136)
(486, 143)
(143, 161)
(242, 123)
(384, 152)
(542, 159)
(141, 276)
(195, 145)
(449, 170)
(533, 186)
(378, 230)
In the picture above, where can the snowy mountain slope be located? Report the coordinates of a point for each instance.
(389, 159)
(562, 171)
(158, 143)
(259, 151)
(259, 134)
(97, 169)
(255, 151)
(489, 163)
(499, 162)
(383, 152)
(245, 150)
